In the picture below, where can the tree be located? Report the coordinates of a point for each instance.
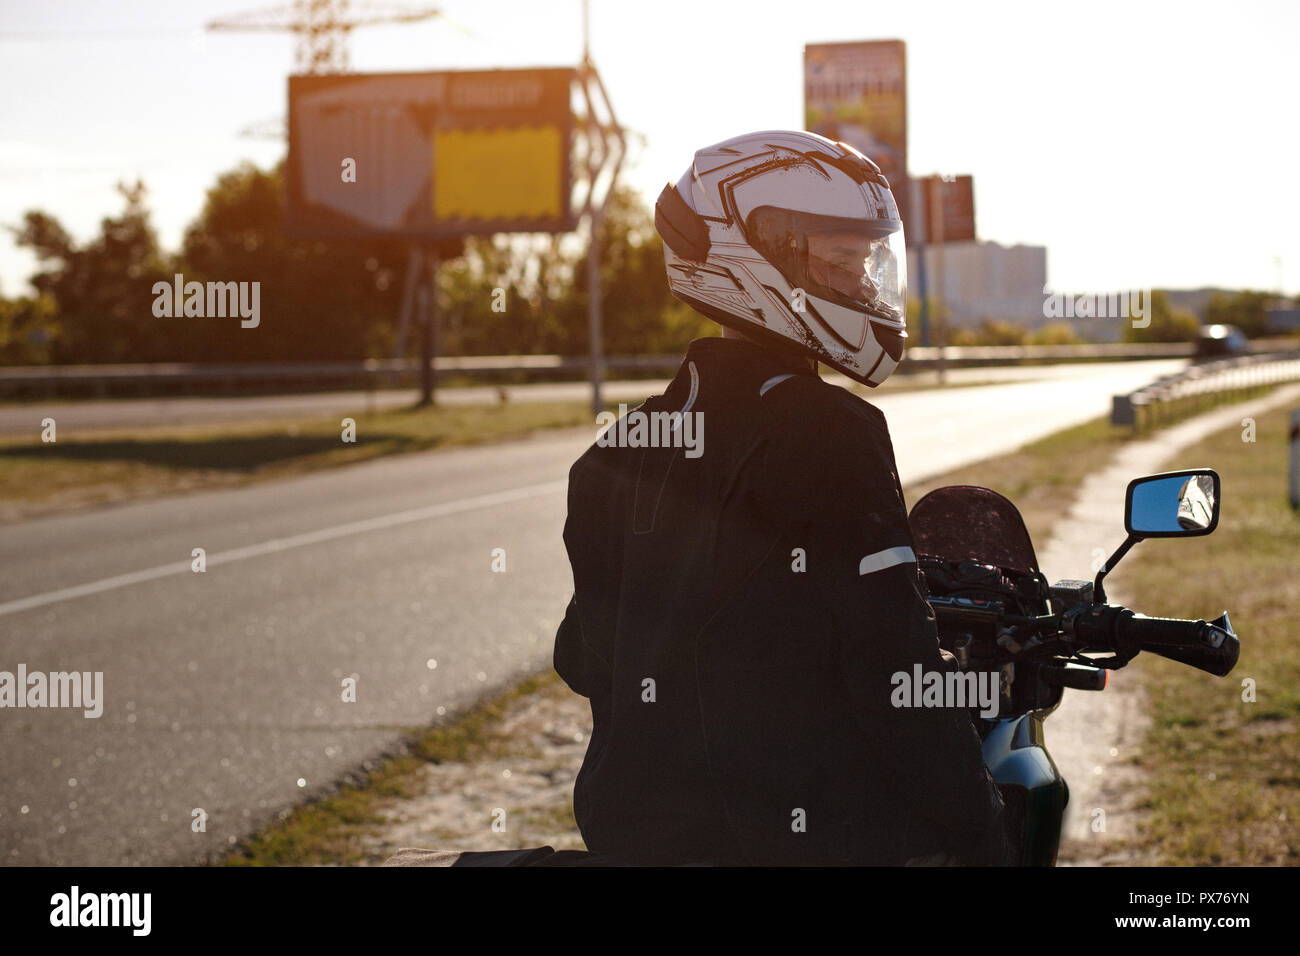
(1167, 323)
(319, 301)
(533, 312)
(1248, 311)
(28, 330)
(103, 291)
(334, 300)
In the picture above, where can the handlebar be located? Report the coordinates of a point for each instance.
(1210, 646)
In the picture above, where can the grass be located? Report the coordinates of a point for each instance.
(40, 478)
(1040, 479)
(1224, 773)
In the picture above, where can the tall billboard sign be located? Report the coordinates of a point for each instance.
(430, 156)
(950, 216)
(856, 93)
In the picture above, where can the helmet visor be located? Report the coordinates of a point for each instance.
(860, 264)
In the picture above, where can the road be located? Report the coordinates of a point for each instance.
(223, 689)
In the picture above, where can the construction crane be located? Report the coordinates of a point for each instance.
(322, 27)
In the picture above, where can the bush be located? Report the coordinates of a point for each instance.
(991, 332)
(1056, 333)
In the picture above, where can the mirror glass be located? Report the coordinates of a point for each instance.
(1172, 505)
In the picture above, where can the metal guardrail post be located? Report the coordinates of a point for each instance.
(1295, 458)
(1122, 410)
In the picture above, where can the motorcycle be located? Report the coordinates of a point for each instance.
(996, 612)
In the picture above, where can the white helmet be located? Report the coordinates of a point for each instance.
(794, 240)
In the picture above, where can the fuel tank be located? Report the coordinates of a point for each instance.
(1031, 785)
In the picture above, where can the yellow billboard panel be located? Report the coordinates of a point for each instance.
(503, 174)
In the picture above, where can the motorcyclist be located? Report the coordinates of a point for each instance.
(737, 615)
(1196, 503)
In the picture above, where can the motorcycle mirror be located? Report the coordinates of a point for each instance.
(1175, 504)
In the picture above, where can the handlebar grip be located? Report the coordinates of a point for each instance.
(1210, 646)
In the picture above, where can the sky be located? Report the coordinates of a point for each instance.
(1145, 144)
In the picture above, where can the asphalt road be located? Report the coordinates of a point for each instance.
(223, 689)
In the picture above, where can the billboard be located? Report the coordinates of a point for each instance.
(954, 198)
(856, 93)
(429, 155)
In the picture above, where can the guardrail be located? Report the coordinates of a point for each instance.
(181, 378)
(103, 381)
(1142, 407)
(967, 355)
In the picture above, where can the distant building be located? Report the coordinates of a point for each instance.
(1283, 320)
(984, 280)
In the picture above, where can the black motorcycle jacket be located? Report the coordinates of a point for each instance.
(743, 594)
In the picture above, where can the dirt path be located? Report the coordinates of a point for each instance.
(455, 805)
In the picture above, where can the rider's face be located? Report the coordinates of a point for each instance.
(838, 260)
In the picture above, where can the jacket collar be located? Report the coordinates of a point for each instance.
(742, 354)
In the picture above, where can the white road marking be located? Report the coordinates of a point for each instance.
(284, 544)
